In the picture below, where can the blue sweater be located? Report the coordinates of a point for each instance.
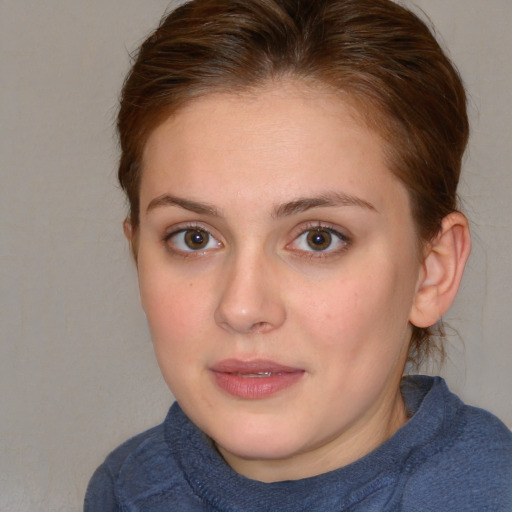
(447, 457)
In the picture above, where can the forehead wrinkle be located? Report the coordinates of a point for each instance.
(325, 200)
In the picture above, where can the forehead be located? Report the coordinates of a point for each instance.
(286, 107)
(283, 137)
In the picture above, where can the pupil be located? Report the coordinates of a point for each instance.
(319, 240)
(196, 239)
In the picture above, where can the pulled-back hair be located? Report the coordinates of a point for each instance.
(376, 53)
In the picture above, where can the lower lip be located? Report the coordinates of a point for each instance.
(255, 387)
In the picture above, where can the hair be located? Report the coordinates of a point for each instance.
(375, 53)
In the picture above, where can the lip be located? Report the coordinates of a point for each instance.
(254, 379)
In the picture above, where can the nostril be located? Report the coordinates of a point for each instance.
(259, 327)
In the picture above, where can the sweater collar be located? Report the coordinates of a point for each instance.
(217, 484)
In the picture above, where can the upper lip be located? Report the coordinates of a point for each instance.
(252, 366)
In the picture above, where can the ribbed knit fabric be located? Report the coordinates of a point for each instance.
(447, 457)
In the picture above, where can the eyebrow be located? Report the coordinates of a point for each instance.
(330, 199)
(187, 204)
(325, 200)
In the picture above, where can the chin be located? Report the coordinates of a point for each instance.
(258, 451)
(258, 442)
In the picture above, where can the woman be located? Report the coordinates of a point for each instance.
(291, 169)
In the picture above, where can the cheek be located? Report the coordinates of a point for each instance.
(356, 313)
(176, 321)
(175, 307)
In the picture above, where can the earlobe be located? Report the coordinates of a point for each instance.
(131, 236)
(442, 269)
(127, 229)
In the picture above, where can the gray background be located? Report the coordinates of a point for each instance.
(77, 371)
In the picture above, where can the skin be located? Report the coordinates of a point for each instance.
(239, 167)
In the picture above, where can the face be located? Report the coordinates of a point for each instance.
(278, 265)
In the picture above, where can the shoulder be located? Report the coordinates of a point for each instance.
(144, 443)
(468, 466)
(481, 448)
(102, 491)
(142, 473)
(485, 435)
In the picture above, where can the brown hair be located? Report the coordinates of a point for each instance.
(375, 52)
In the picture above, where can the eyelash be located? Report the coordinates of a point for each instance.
(184, 230)
(342, 239)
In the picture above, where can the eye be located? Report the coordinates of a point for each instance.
(320, 239)
(192, 240)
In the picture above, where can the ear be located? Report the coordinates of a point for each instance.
(441, 271)
(131, 235)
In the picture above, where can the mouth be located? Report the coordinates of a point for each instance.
(254, 379)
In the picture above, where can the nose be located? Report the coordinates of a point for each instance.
(250, 300)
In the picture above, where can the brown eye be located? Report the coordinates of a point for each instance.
(319, 239)
(191, 240)
(322, 241)
(196, 239)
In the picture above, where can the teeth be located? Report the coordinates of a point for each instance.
(258, 374)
